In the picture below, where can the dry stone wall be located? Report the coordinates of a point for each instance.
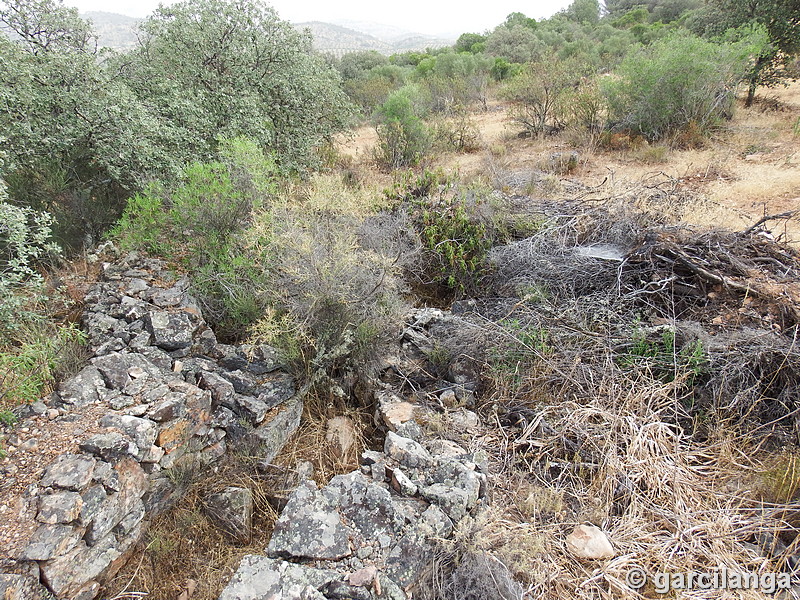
(172, 396)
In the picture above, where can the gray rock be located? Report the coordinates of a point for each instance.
(93, 499)
(406, 451)
(260, 578)
(221, 389)
(142, 431)
(21, 587)
(415, 550)
(51, 540)
(118, 370)
(310, 527)
(464, 419)
(171, 331)
(111, 447)
(117, 506)
(402, 484)
(171, 407)
(275, 388)
(252, 409)
(454, 502)
(61, 507)
(107, 476)
(69, 472)
(82, 389)
(70, 574)
(271, 436)
(232, 510)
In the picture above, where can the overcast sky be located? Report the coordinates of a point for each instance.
(422, 16)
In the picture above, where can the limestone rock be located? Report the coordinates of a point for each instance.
(260, 578)
(61, 507)
(232, 510)
(170, 331)
(69, 472)
(82, 389)
(406, 451)
(310, 527)
(588, 541)
(392, 410)
(111, 447)
(51, 540)
(142, 431)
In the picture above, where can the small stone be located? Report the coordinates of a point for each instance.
(52, 414)
(111, 446)
(448, 398)
(51, 540)
(29, 445)
(363, 577)
(402, 484)
(393, 411)
(464, 419)
(588, 541)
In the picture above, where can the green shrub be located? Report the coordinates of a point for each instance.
(682, 79)
(454, 236)
(24, 242)
(29, 370)
(403, 137)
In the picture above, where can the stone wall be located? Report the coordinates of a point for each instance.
(171, 396)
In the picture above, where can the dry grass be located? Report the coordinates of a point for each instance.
(183, 545)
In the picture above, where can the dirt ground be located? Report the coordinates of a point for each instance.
(748, 169)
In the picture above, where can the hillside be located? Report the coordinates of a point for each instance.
(339, 40)
(114, 30)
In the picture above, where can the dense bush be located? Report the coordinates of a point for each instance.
(676, 83)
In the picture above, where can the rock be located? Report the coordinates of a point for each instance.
(260, 578)
(454, 502)
(118, 370)
(21, 587)
(310, 527)
(82, 389)
(341, 437)
(464, 419)
(363, 577)
(111, 511)
(111, 447)
(171, 407)
(413, 552)
(75, 573)
(252, 409)
(270, 437)
(445, 449)
(170, 331)
(232, 510)
(588, 541)
(51, 540)
(61, 507)
(143, 432)
(392, 410)
(52, 414)
(448, 398)
(69, 472)
(221, 389)
(402, 484)
(406, 451)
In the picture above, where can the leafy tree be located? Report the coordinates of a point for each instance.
(77, 140)
(583, 11)
(231, 68)
(470, 42)
(516, 43)
(354, 65)
(517, 19)
(781, 18)
(539, 93)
